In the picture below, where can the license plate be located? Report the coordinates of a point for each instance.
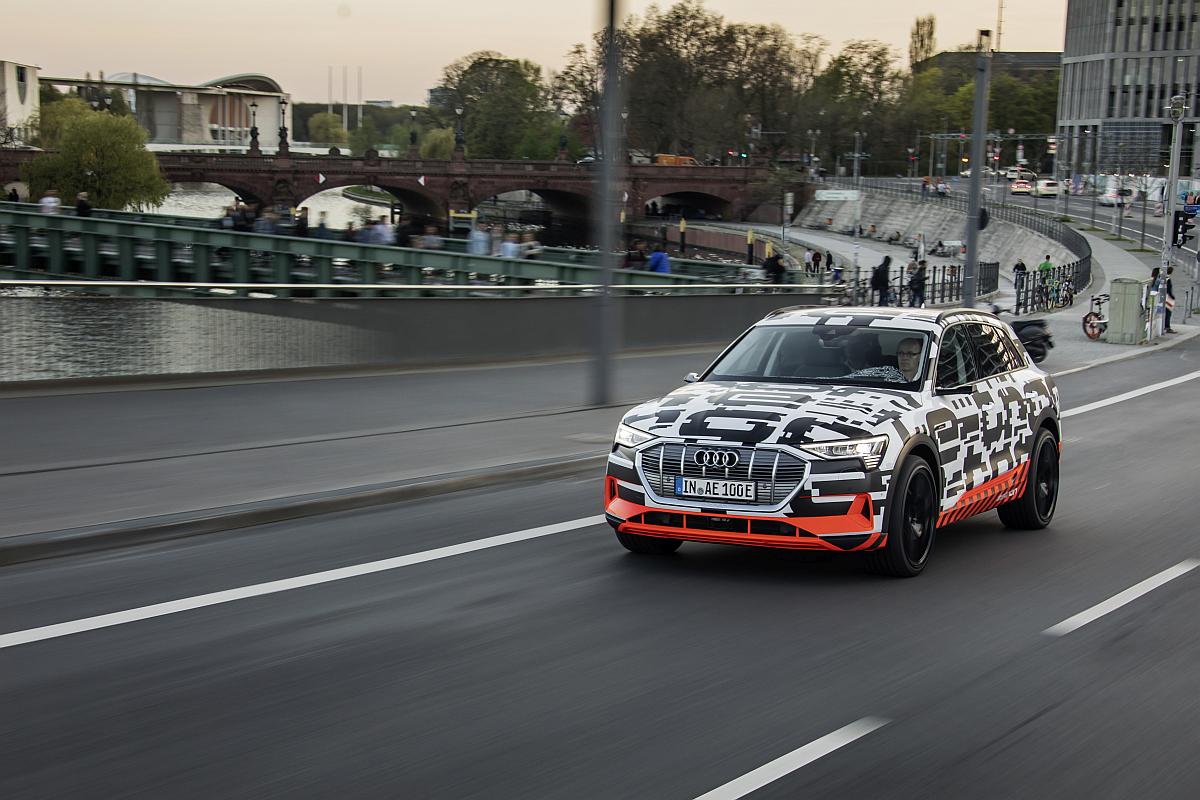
(720, 490)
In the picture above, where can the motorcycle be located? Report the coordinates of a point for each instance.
(1033, 333)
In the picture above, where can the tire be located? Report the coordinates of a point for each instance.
(912, 522)
(1034, 509)
(1091, 325)
(648, 545)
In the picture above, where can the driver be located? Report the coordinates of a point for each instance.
(908, 357)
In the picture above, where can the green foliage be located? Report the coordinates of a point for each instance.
(326, 128)
(364, 138)
(437, 144)
(56, 118)
(104, 155)
(504, 101)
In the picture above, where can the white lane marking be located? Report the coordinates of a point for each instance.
(1125, 597)
(286, 584)
(774, 770)
(1108, 401)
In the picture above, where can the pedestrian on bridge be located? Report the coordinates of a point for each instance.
(13, 196)
(50, 204)
(659, 262)
(881, 279)
(816, 262)
(916, 286)
(83, 207)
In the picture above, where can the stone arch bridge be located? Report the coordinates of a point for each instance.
(433, 188)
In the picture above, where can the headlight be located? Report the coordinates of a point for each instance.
(870, 450)
(629, 436)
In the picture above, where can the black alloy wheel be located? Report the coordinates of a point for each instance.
(1034, 509)
(912, 522)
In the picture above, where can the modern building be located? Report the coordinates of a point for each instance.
(1122, 63)
(19, 102)
(216, 115)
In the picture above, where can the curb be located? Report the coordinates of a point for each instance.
(1138, 350)
(107, 536)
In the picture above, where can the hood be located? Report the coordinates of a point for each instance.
(756, 412)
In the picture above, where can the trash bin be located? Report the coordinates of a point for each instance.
(1127, 311)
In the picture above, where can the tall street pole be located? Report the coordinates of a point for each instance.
(606, 212)
(1175, 111)
(983, 69)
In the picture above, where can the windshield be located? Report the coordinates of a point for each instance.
(853, 355)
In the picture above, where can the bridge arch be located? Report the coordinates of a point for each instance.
(561, 201)
(420, 203)
(691, 202)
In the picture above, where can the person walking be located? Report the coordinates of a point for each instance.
(1168, 291)
(13, 196)
(916, 286)
(773, 266)
(83, 207)
(880, 278)
(50, 204)
(659, 262)
(808, 261)
(322, 229)
(479, 241)
(510, 248)
(816, 262)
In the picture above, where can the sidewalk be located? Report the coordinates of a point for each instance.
(1071, 345)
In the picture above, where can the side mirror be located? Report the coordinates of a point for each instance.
(691, 377)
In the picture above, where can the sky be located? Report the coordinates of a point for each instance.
(402, 45)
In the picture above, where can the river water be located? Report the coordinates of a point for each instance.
(209, 201)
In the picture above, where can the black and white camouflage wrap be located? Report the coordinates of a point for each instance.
(978, 436)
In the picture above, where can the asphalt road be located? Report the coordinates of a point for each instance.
(105, 427)
(561, 666)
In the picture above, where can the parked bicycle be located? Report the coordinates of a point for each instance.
(1095, 322)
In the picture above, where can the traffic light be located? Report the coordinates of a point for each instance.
(1182, 224)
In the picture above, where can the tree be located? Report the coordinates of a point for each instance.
(921, 41)
(326, 128)
(56, 118)
(438, 144)
(104, 155)
(502, 98)
(364, 138)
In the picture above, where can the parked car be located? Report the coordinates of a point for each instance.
(1046, 188)
(1020, 187)
(860, 429)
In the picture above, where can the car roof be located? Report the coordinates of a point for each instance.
(883, 316)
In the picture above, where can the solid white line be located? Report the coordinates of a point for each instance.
(1125, 597)
(286, 584)
(774, 770)
(1191, 376)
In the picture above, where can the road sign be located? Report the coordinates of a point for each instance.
(839, 194)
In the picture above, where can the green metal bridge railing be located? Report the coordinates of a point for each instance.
(99, 247)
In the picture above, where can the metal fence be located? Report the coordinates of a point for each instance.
(34, 245)
(1041, 222)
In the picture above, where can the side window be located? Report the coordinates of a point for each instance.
(991, 350)
(1016, 351)
(956, 363)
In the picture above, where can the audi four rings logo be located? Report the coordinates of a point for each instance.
(716, 458)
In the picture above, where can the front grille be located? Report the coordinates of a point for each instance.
(776, 473)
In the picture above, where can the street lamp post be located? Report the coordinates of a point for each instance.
(254, 150)
(283, 132)
(1176, 111)
(460, 137)
(562, 134)
(412, 134)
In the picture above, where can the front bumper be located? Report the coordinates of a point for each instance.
(854, 526)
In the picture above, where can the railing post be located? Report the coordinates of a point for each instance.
(163, 268)
(91, 255)
(55, 254)
(241, 268)
(126, 258)
(22, 253)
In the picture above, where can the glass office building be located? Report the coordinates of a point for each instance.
(1122, 62)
